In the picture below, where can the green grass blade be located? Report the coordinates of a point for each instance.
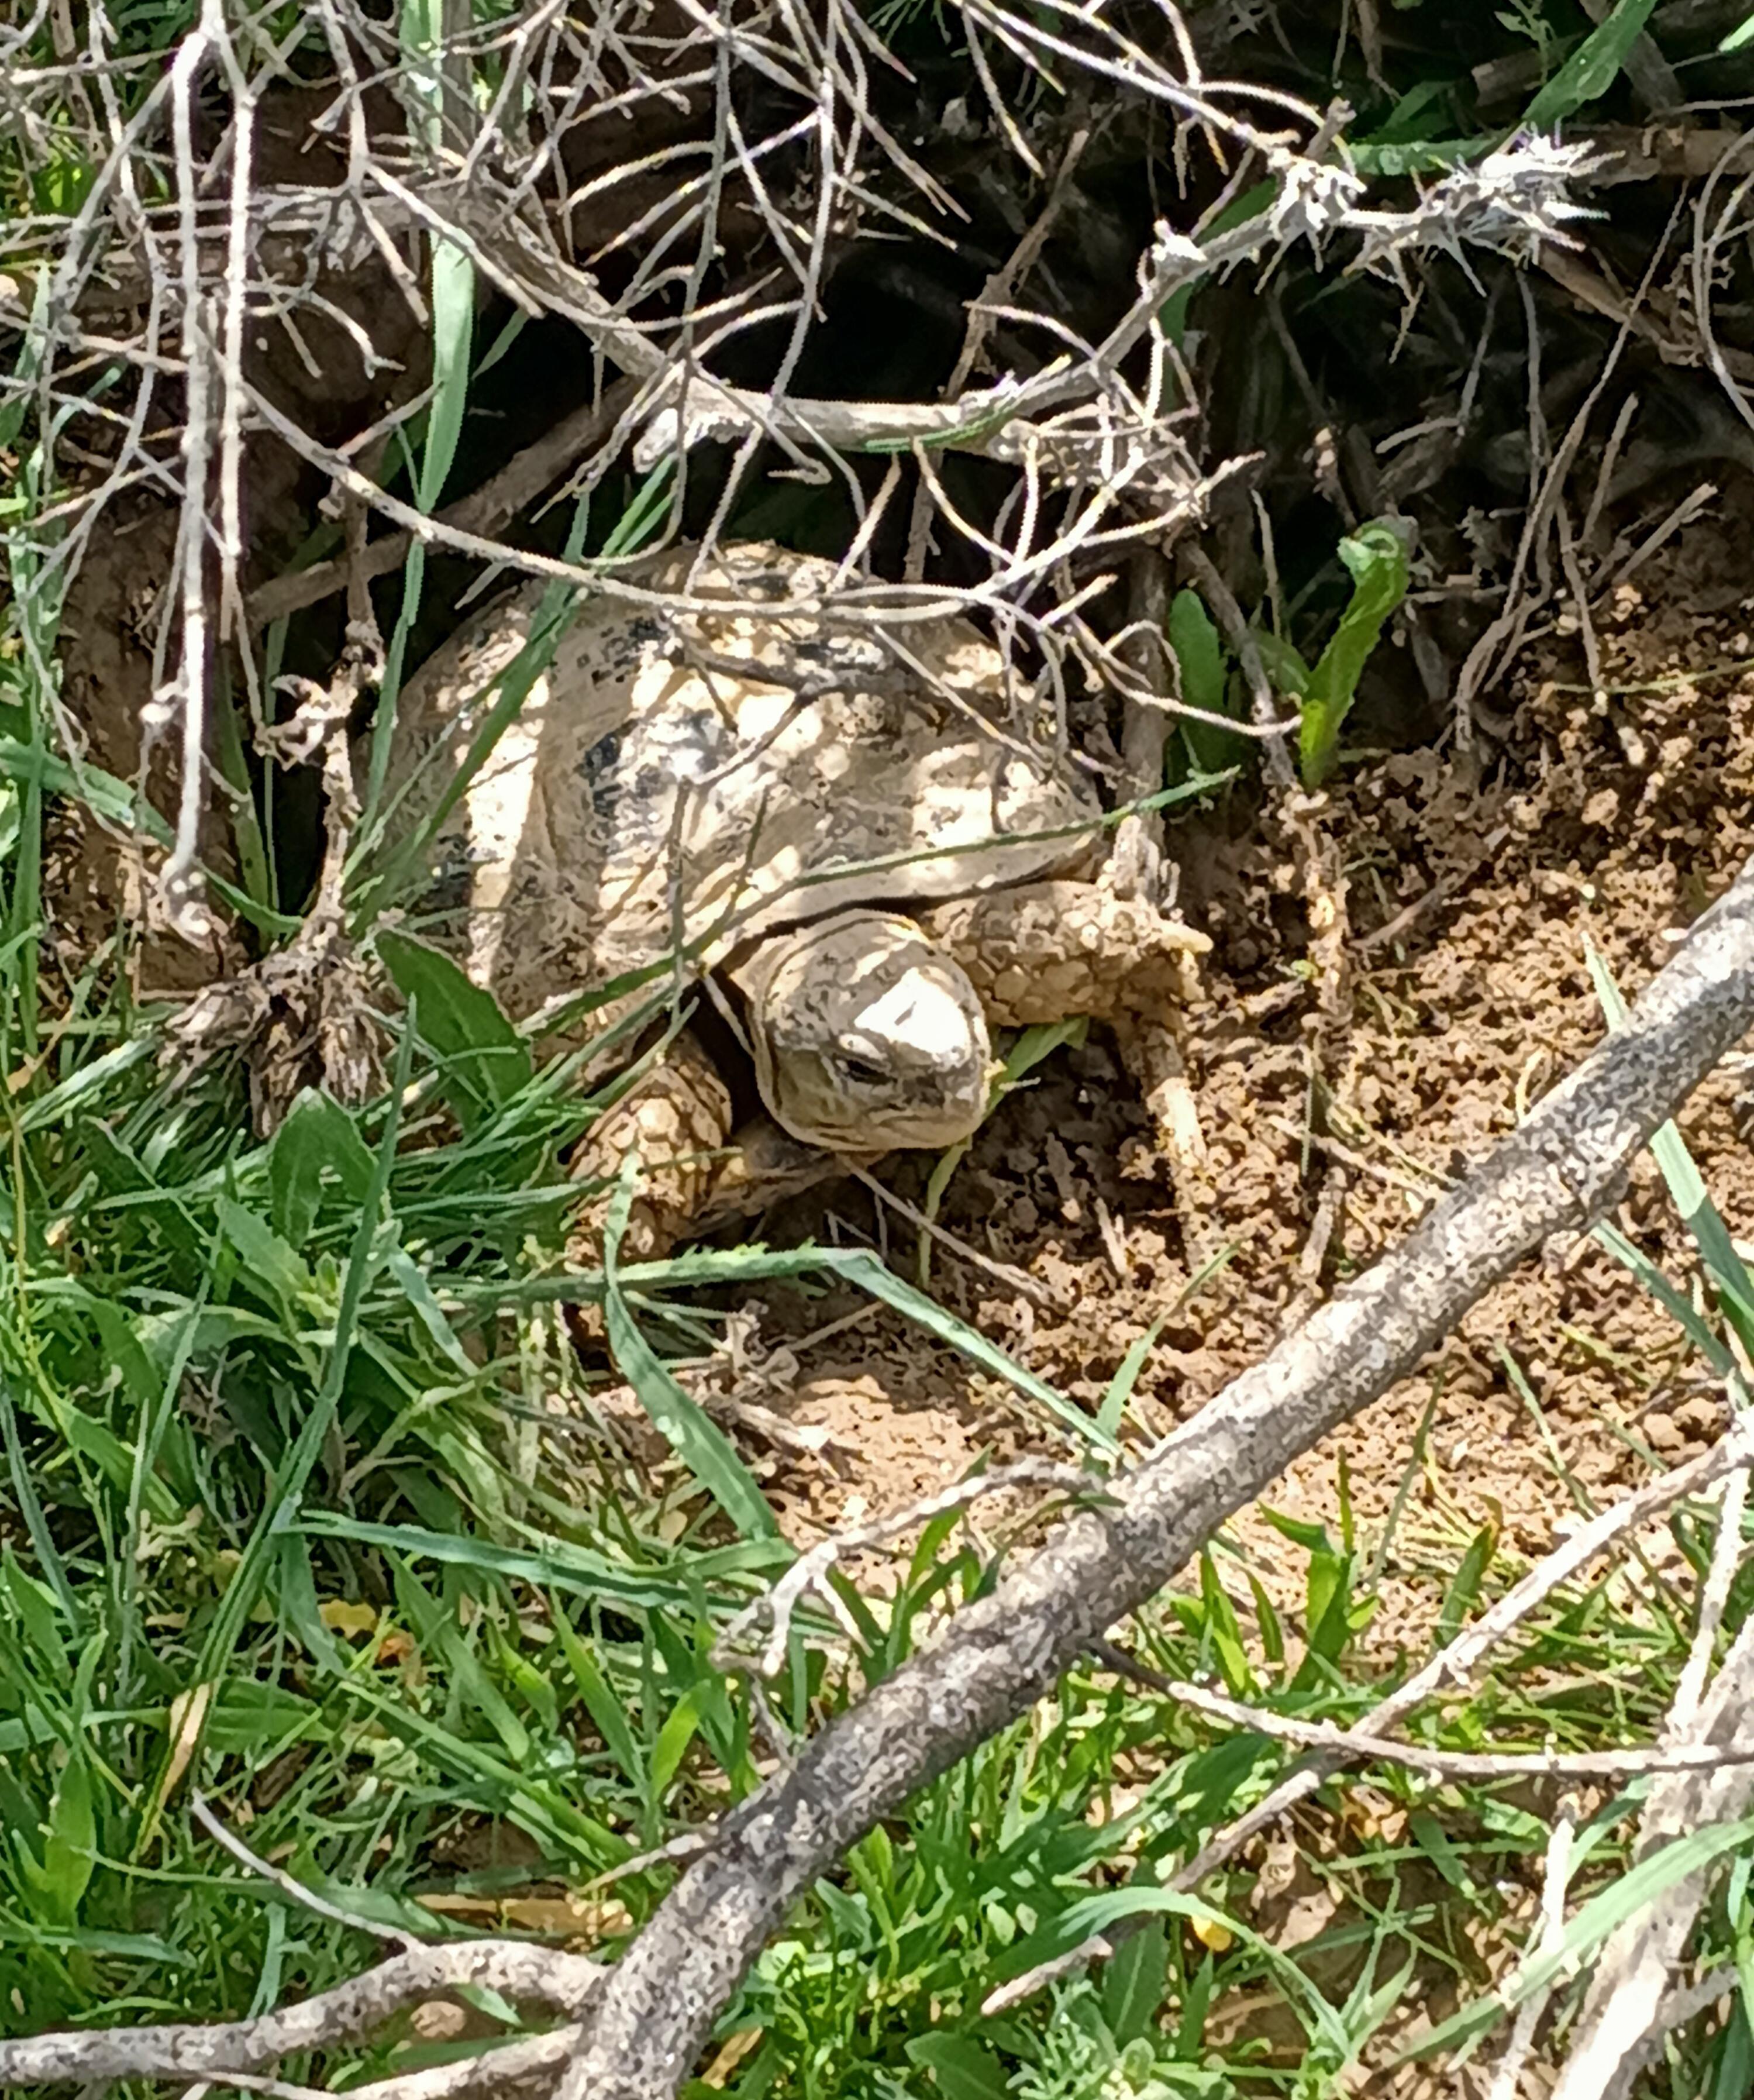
(559, 1565)
(1590, 1926)
(1591, 69)
(1205, 682)
(683, 1424)
(281, 1507)
(1734, 1288)
(1113, 1412)
(859, 1266)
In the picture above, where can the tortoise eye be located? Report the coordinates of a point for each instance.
(861, 1072)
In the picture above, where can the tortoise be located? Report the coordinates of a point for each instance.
(836, 825)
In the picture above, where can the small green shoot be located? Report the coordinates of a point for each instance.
(1205, 684)
(1376, 558)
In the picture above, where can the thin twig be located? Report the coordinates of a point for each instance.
(393, 1935)
(1352, 1746)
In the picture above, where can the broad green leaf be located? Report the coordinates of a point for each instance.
(1591, 69)
(1266, 1622)
(1328, 1624)
(1416, 157)
(316, 1141)
(528, 1683)
(607, 1714)
(70, 1841)
(1190, 2029)
(1224, 1632)
(485, 1060)
(453, 296)
(1199, 652)
(122, 1348)
(962, 2068)
(1463, 1590)
(35, 1605)
(249, 1719)
(674, 1737)
(1205, 682)
(266, 1257)
(1312, 1537)
(1376, 557)
(1133, 1985)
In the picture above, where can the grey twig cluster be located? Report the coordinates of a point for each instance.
(541, 155)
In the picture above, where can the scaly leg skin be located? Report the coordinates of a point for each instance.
(1051, 949)
(677, 1119)
(766, 1166)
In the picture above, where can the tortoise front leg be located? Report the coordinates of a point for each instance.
(677, 1119)
(1052, 950)
(700, 1174)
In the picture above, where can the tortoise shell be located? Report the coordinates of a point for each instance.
(653, 794)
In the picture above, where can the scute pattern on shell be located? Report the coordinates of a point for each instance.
(639, 797)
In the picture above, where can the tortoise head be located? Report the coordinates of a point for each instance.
(866, 1037)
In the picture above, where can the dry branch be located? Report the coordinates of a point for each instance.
(540, 1975)
(1559, 1170)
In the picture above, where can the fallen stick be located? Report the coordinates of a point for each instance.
(542, 1976)
(658, 2005)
